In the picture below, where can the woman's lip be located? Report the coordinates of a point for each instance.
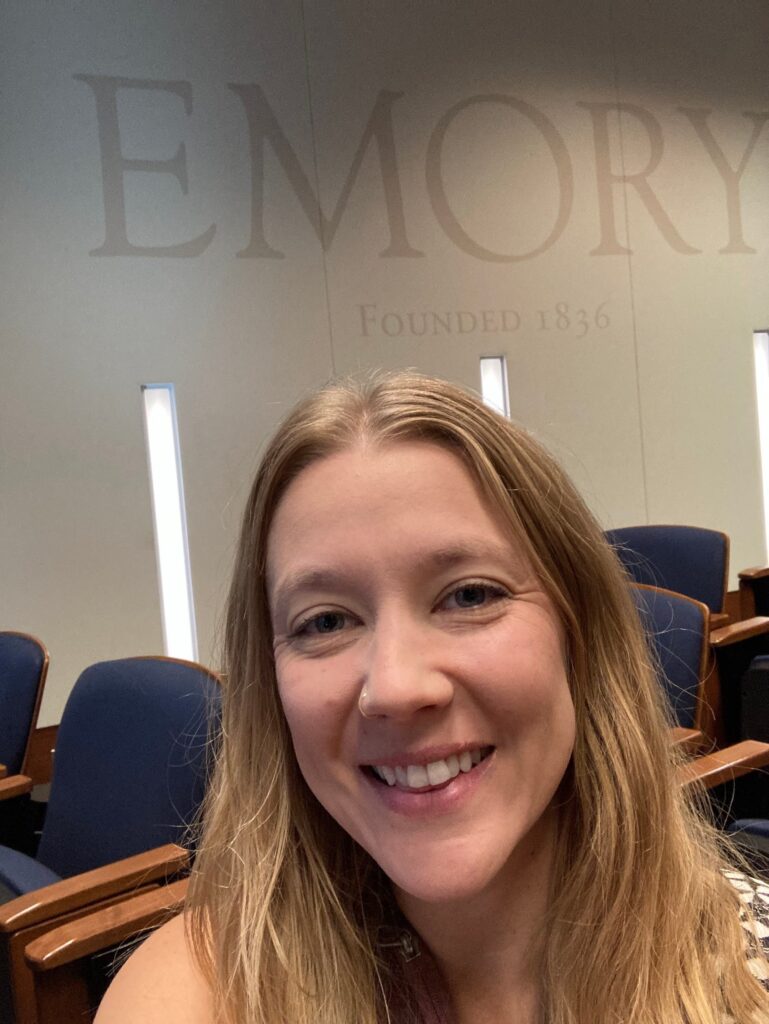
(432, 800)
(426, 755)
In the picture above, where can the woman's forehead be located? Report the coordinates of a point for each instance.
(417, 498)
(366, 478)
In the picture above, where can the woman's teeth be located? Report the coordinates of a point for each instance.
(417, 776)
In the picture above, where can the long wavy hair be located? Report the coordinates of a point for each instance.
(285, 909)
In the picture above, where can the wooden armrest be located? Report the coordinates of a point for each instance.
(3, 771)
(725, 765)
(739, 631)
(718, 619)
(106, 927)
(758, 572)
(92, 886)
(691, 741)
(15, 785)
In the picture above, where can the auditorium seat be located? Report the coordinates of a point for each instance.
(129, 774)
(688, 560)
(23, 670)
(677, 628)
(703, 670)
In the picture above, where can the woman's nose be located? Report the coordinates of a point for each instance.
(404, 672)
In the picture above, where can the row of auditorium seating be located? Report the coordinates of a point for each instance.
(695, 637)
(681, 648)
(47, 954)
(694, 562)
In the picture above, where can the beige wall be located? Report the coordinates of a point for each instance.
(488, 197)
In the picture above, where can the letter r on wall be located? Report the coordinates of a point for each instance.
(606, 178)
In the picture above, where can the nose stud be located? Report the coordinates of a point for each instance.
(362, 702)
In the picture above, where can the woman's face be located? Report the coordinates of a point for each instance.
(420, 666)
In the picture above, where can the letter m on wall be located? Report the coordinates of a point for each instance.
(264, 127)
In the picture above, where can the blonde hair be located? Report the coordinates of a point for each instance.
(285, 908)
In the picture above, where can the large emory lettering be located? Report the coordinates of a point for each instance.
(614, 180)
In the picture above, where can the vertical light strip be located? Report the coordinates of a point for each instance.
(171, 549)
(494, 383)
(761, 361)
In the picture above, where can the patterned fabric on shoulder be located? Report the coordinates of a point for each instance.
(754, 894)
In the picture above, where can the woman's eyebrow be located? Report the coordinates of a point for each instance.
(306, 579)
(435, 559)
(468, 551)
(509, 557)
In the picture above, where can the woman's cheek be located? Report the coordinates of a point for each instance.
(313, 694)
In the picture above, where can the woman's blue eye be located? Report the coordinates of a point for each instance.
(326, 622)
(474, 595)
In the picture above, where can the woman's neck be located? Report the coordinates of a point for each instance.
(489, 947)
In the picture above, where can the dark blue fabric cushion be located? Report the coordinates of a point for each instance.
(687, 559)
(676, 629)
(131, 762)
(21, 663)
(20, 874)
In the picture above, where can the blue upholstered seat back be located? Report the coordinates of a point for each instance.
(686, 559)
(131, 761)
(23, 661)
(677, 628)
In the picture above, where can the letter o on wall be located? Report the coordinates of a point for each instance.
(395, 319)
(437, 192)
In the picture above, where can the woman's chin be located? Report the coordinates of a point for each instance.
(440, 886)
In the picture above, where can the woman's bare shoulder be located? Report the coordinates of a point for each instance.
(160, 983)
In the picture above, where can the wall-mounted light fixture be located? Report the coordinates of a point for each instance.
(494, 383)
(168, 510)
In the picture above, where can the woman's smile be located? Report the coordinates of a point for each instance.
(429, 769)
(436, 788)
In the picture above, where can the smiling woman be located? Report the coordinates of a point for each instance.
(393, 643)
(445, 793)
